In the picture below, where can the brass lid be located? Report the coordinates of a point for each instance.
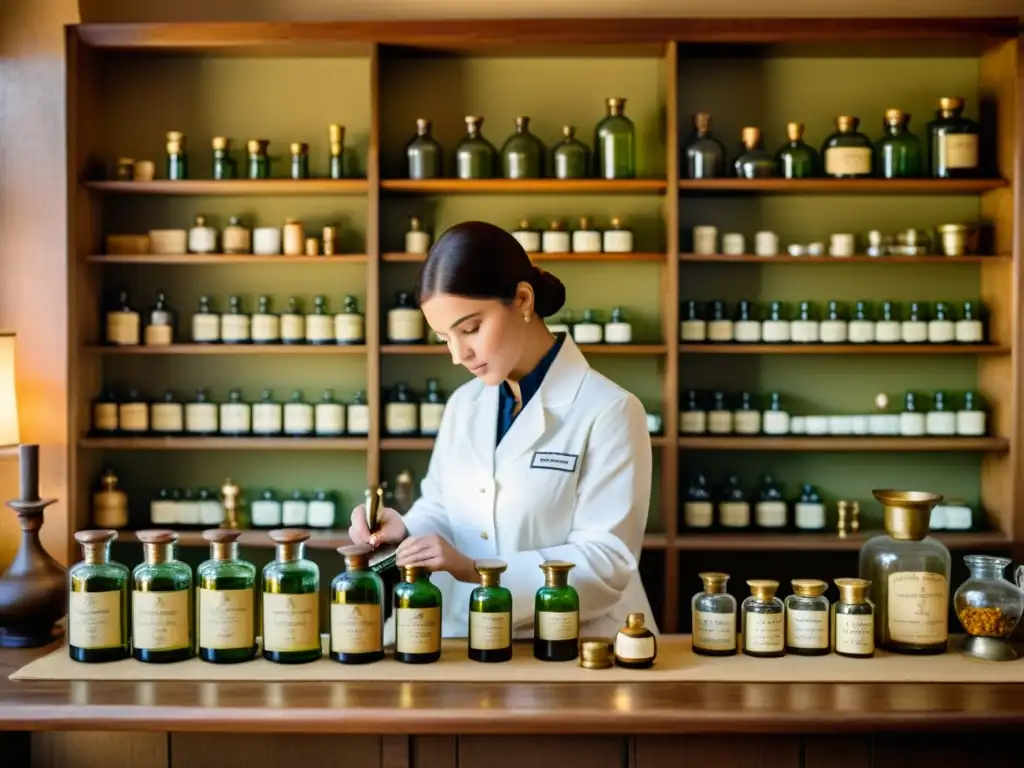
(853, 590)
(616, 102)
(635, 621)
(490, 566)
(947, 103)
(555, 226)
(847, 123)
(584, 222)
(473, 121)
(556, 566)
(809, 587)
(414, 223)
(175, 136)
(893, 116)
(794, 131)
(906, 513)
(951, 229)
(157, 536)
(522, 122)
(221, 535)
(255, 145)
(524, 224)
(356, 555)
(763, 588)
(91, 538)
(596, 652)
(714, 581)
(219, 142)
(298, 147)
(616, 222)
(292, 221)
(702, 121)
(288, 535)
(335, 133)
(568, 131)
(750, 136)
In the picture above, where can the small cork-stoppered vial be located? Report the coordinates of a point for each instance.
(490, 615)
(97, 602)
(807, 614)
(636, 647)
(556, 615)
(357, 616)
(226, 621)
(764, 632)
(417, 605)
(714, 617)
(291, 605)
(161, 601)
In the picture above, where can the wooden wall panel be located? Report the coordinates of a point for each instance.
(734, 751)
(251, 750)
(101, 749)
(519, 751)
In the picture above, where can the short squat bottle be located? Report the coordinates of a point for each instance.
(705, 155)
(161, 601)
(291, 601)
(357, 615)
(522, 155)
(424, 156)
(570, 157)
(807, 617)
(475, 156)
(713, 613)
(764, 633)
(556, 615)
(490, 614)
(417, 607)
(853, 620)
(226, 622)
(636, 647)
(899, 155)
(847, 152)
(97, 601)
(754, 162)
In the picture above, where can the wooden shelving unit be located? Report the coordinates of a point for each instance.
(389, 74)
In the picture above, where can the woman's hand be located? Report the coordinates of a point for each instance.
(391, 531)
(434, 553)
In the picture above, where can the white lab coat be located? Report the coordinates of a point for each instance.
(570, 480)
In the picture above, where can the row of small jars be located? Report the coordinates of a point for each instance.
(238, 239)
(135, 415)
(728, 507)
(297, 509)
(888, 323)
(721, 413)
(407, 414)
(585, 239)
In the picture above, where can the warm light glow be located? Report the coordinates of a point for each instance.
(10, 434)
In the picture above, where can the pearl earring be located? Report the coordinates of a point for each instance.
(526, 317)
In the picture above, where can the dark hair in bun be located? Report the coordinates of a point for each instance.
(481, 261)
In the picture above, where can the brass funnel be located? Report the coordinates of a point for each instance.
(906, 513)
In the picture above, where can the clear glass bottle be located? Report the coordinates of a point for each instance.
(771, 510)
(293, 323)
(570, 157)
(475, 156)
(161, 601)
(490, 615)
(329, 416)
(797, 159)
(615, 143)
(123, 323)
(754, 162)
(97, 602)
(693, 327)
(424, 155)
(160, 323)
(764, 634)
(291, 601)
(698, 511)
(417, 606)
(235, 415)
(853, 620)
(733, 505)
(431, 409)
(401, 412)
(556, 617)
(267, 415)
(357, 609)
(807, 619)
(177, 157)
(266, 325)
(809, 510)
(636, 647)
(224, 165)
(299, 420)
(898, 153)
(909, 573)
(226, 620)
(693, 419)
(705, 155)
(775, 326)
(320, 323)
(847, 152)
(713, 613)
(234, 324)
(989, 607)
(405, 321)
(953, 142)
(522, 155)
(258, 166)
(300, 159)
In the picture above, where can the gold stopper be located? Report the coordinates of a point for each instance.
(635, 621)
(422, 126)
(893, 116)
(555, 226)
(568, 131)
(847, 123)
(950, 103)
(473, 123)
(794, 131)
(853, 590)
(200, 220)
(411, 572)
(223, 543)
(763, 589)
(336, 133)
(616, 104)
(298, 147)
(256, 146)
(109, 482)
(414, 223)
(809, 587)
(522, 122)
(584, 223)
(702, 121)
(556, 572)
(714, 581)
(881, 401)
(357, 556)
(750, 136)
(94, 544)
(524, 224)
(596, 653)
(906, 513)
(616, 222)
(219, 142)
(490, 571)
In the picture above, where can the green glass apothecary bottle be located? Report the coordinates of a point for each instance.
(336, 140)
(755, 162)
(570, 157)
(797, 159)
(615, 143)
(490, 615)
(300, 159)
(357, 615)
(898, 155)
(953, 142)
(847, 152)
(97, 602)
(424, 155)
(291, 601)
(224, 166)
(259, 160)
(522, 155)
(475, 156)
(161, 601)
(177, 157)
(705, 155)
(226, 610)
(417, 605)
(556, 618)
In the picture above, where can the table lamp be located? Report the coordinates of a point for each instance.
(10, 434)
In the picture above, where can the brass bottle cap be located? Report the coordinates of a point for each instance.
(702, 121)
(750, 136)
(568, 131)
(714, 581)
(635, 621)
(522, 122)
(948, 103)
(555, 226)
(616, 104)
(906, 514)
(893, 116)
(357, 556)
(109, 480)
(473, 122)
(254, 146)
(556, 566)
(176, 136)
(584, 223)
(490, 566)
(126, 161)
(335, 133)
(616, 222)
(288, 535)
(157, 536)
(763, 588)
(847, 123)
(221, 535)
(92, 538)
(853, 590)
(200, 220)
(411, 572)
(219, 142)
(596, 653)
(298, 147)
(809, 587)
(414, 223)
(794, 131)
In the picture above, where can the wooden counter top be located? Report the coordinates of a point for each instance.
(510, 708)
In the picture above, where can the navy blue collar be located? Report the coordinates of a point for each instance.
(529, 385)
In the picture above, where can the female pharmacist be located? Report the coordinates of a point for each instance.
(538, 458)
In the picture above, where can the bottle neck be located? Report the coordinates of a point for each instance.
(489, 580)
(988, 571)
(96, 554)
(224, 550)
(285, 553)
(714, 588)
(154, 554)
(555, 580)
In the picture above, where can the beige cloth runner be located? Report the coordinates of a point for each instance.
(676, 663)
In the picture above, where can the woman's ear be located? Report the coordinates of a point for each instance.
(524, 298)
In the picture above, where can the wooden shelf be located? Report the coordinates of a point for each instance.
(784, 258)
(844, 349)
(225, 259)
(233, 349)
(589, 349)
(524, 186)
(234, 187)
(224, 443)
(633, 256)
(697, 541)
(845, 186)
(842, 443)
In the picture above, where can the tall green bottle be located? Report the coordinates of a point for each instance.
(490, 614)
(291, 601)
(357, 616)
(898, 154)
(226, 597)
(522, 155)
(615, 143)
(797, 159)
(161, 601)
(97, 602)
(475, 156)
(556, 617)
(417, 605)
(953, 142)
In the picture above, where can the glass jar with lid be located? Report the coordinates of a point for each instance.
(805, 328)
(746, 328)
(834, 328)
(763, 615)
(861, 328)
(775, 326)
(989, 606)
(714, 617)
(807, 619)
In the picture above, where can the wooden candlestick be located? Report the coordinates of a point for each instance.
(33, 591)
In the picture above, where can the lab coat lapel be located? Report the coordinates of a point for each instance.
(483, 426)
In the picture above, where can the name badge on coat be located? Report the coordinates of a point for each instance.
(563, 462)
